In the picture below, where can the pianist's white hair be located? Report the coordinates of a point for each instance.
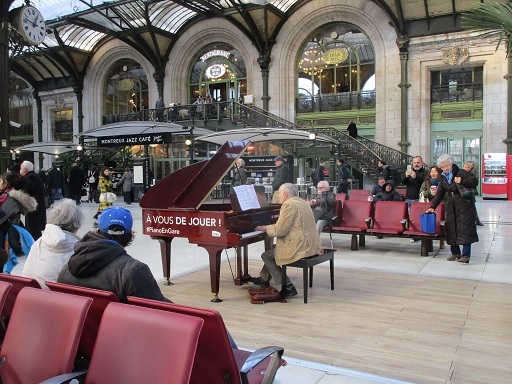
(290, 189)
(240, 162)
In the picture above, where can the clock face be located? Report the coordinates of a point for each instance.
(31, 25)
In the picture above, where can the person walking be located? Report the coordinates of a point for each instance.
(76, 182)
(343, 176)
(127, 185)
(460, 224)
(35, 221)
(93, 183)
(104, 186)
(55, 183)
(352, 130)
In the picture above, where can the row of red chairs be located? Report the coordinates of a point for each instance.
(385, 219)
(147, 341)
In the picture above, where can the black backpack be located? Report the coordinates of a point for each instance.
(395, 175)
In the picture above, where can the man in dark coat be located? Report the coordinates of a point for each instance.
(34, 221)
(76, 183)
(55, 182)
(100, 260)
(460, 224)
(352, 130)
(343, 176)
(413, 179)
(280, 177)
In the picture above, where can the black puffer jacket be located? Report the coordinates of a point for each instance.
(460, 211)
(101, 263)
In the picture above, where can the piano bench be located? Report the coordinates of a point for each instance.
(308, 263)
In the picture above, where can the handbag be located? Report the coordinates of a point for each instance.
(422, 198)
(428, 223)
(91, 179)
(108, 197)
(467, 191)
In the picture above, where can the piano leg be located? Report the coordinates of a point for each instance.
(214, 254)
(165, 252)
(242, 263)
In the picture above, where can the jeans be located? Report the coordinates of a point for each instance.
(466, 250)
(320, 224)
(409, 202)
(54, 191)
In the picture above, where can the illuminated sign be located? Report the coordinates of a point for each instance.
(335, 56)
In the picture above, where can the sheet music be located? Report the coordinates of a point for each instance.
(247, 197)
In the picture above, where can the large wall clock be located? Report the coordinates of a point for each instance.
(30, 24)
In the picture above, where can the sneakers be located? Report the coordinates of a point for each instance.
(258, 281)
(464, 259)
(414, 241)
(454, 257)
(290, 290)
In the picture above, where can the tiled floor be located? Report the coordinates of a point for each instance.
(490, 261)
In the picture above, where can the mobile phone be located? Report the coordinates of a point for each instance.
(409, 167)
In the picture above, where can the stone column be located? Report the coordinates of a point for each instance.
(403, 46)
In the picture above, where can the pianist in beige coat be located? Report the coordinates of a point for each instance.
(296, 238)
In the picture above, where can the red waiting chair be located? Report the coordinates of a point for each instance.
(389, 219)
(414, 226)
(100, 300)
(216, 361)
(4, 291)
(353, 221)
(18, 283)
(359, 194)
(141, 345)
(43, 334)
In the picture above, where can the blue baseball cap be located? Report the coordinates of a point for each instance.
(115, 216)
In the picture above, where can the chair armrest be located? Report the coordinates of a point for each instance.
(64, 378)
(405, 224)
(257, 357)
(369, 222)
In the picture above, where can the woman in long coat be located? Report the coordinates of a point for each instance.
(104, 185)
(127, 185)
(460, 211)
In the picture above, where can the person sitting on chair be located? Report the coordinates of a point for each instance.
(388, 193)
(323, 205)
(296, 238)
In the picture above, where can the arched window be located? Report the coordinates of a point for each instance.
(126, 89)
(338, 62)
(219, 71)
(20, 109)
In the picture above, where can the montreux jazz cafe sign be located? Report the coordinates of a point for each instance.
(140, 139)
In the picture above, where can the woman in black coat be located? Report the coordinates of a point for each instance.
(460, 211)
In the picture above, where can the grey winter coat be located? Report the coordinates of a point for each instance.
(127, 181)
(17, 203)
(460, 211)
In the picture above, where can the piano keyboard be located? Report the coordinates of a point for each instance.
(251, 234)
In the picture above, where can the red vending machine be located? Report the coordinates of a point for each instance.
(494, 176)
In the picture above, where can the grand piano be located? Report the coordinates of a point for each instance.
(176, 207)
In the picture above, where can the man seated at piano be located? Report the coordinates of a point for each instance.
(100, 260)
(296, 238)
(323, 205)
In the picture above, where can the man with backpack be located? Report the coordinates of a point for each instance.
(343, 176)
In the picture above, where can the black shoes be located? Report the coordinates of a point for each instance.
(96, 216)
(290, 290)
(479, 223)
(258, 281)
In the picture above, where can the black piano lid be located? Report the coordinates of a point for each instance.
(190, 186)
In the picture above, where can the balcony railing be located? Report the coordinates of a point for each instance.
(343, 101)
(457, 93)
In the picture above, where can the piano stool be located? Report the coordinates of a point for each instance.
(308, 263)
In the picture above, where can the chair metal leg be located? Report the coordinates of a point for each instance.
(283, 280)
(331, 266)
(353, 243)
(362, 240)
(424, 247)
(305, 277)
(310, 276)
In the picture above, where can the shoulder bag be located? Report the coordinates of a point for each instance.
(467, 191)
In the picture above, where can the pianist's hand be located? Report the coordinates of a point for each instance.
(261, 228)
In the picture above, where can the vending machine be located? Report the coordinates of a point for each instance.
(494, 176)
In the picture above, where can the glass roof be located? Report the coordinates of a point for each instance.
(53, 9)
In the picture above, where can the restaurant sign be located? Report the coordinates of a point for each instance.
(147, 138)
(335, 56)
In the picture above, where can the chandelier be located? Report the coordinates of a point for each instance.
(311, 63)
